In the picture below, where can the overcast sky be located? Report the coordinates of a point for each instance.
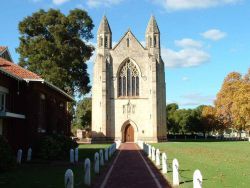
(202, 40)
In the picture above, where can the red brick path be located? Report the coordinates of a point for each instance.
(129, 170)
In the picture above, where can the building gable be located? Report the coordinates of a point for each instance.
(128, 42)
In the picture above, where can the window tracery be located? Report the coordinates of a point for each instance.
(128, 84)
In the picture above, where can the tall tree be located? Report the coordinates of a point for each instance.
(55, 46)
(225, 98)
(233, 101)
(83, 113)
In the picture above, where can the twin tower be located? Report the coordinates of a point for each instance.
(129, 93)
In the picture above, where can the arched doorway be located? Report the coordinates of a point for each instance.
(129, 133)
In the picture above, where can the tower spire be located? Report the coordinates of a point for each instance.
(153, 36)
(152, 26)
(104, 34)
(104, 27)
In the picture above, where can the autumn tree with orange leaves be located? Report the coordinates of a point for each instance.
(232, 105)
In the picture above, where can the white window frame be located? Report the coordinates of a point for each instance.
(3, 92)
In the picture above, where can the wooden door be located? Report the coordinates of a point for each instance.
(129, 134)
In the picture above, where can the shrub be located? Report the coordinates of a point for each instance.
(55, 147)
(6, 157)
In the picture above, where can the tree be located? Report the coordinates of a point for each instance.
(172, 126)
(233, 101)
(225, 98)
(54, 46)
(209, 120)
(241, 105)
(83, 113)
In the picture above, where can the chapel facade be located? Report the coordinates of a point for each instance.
(128, 94)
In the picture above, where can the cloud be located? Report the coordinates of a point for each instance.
(175, 5)
(106, 3)
(184, 78)
(59, 2)
(188, 43)
(214, 34)
(186, 57)
(196, 99)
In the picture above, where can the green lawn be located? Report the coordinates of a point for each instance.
(222, 164)
(45, 175)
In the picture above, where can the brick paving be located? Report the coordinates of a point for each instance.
(129, 171)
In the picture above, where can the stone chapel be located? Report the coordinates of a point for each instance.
(128, 94)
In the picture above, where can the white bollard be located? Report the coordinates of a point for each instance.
(29, 154)
(76, 155)
(149, 151)
(101, 157)
(106, 154)
(197, 179)
(175, 173)
(96, 163)
(153, 154)
(164, 163)
(157, 160)
(71, 156)
(87, 177)
(69, 179)
(19, 156)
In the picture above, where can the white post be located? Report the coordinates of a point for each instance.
(71, 157)
(153, 153)
(96, 163)
(69, 179)
(87, 167)
(101, 157)
(106, 154)
(29, 154)
(76, 155)
(149, 151)
(19, 156)
(175, 172)
(197, 179)
(157, 158)
(164, 163)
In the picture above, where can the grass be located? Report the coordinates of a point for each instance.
(222, 164)
(49, 175)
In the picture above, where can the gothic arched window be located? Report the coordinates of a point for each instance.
(128, 82)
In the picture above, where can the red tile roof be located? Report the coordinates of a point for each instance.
(2, 48)
(16, 70)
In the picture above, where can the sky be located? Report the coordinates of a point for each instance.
(201, 40)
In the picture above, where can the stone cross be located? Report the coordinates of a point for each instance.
(96, 163)
(164, 163)
(149, 151)
(87, 177)
(69, 179)
(71, 157)
(19, 156)
(106, 154)
(29, 154)
(157, 158)
(76, 155)
(153, 154)
(101, 157)
(197, 179)
(175, 173)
